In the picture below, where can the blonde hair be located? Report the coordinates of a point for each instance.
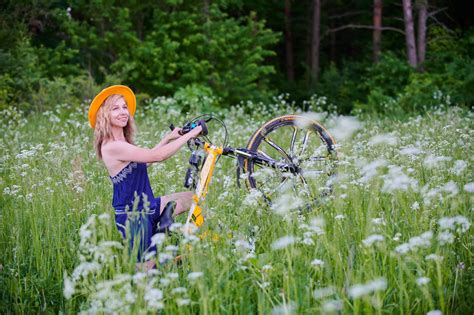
(103, 127)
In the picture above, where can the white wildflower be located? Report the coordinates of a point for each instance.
(195, 275)
(459, 167)
(164, 257)
(172, 275)
(432, 161)
(359, 290)
(324, 292)
(451, 188)
(446, 237)
(397, 236)
(165, 282)
(378, 221)
(285, 203)
(307, 241)
(344, 127)
(434, 257)
(183, 302)
(434, 312)
(105, 217)
(153, 298)
(469, 187)
(386, 138)
(410, 150)
(171, 248)
(179, 290)
(69, 289)
(339, 217)
(423, 240)
(370, 170)
(396, 179)
(371, 239)
(176, 226)
(253, 197)
(332, 305)
(158, 239)
(284, 309)
(243, 245)
(317, 263)
(307, 118)
(84, 269)
(458, 223)
(423, 280)
(284, 242)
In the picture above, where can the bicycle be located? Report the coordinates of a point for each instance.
(269, 168)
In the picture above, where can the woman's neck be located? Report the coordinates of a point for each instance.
(117, 134)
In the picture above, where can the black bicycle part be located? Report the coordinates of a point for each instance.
(195, 162)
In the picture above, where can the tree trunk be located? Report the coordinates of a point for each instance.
(409, 33)
(332, 38)
(290, 72)
(315, 40)
(422, 16)
(377, 34)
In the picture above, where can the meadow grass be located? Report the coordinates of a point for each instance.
(394, 236)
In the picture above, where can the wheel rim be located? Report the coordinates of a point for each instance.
(303, 143)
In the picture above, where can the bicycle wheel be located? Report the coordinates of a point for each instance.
(298, 141)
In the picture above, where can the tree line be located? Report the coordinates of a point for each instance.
(365, 54)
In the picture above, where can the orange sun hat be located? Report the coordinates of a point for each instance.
(97, 102)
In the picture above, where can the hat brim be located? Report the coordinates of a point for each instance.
(123, 90)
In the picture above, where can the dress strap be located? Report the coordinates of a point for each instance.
(124, 173)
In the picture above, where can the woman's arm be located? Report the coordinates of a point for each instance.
(124, 151)
(174, 134)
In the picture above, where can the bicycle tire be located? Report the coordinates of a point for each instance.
(297, 123)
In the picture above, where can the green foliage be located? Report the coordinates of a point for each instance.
(196, 98)
(340, 85)
(184, 47)
(19, 75)
(235, 48)
(157, 49)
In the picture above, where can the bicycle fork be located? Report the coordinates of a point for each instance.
(202, 186)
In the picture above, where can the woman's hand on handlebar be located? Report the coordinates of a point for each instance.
(174, 134)
(196, 132)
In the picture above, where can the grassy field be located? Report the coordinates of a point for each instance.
(394, 237)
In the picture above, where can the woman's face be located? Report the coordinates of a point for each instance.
(119, 115)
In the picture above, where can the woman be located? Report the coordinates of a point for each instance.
(137, 211)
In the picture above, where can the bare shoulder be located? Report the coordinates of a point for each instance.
(116, 146)
(110, 149)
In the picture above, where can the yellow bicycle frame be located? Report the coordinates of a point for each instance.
(195, 212)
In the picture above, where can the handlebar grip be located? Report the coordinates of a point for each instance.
(203, 125)
(172, 127)
(190, 126)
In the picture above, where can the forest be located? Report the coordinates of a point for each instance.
(377, 56)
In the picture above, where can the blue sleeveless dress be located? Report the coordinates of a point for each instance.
(136, 209)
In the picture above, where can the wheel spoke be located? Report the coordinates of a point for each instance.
(306, 186)
(265, 155)
(315, 158)
(305, 142)
(292, 144)
(277, 148)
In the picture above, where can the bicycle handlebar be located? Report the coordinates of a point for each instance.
(191, 125)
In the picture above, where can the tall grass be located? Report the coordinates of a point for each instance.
(394, 236)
